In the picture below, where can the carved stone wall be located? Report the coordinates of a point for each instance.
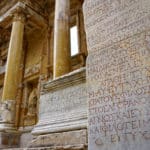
(64, 107)
(118, 74)
(63, 112)
(63, 104)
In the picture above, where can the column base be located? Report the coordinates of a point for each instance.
(9, 140)
(7, 127)
(9, 136)
(7, 116)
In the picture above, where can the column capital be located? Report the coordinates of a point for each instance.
(19, 15)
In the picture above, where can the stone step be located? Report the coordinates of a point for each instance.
(68, 147)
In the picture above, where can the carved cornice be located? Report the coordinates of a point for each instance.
(37, 5)
(37, 19)
(73, 78)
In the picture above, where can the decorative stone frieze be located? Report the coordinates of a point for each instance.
(8, 111)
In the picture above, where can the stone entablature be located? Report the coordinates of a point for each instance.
(5, 6)
(36, 19)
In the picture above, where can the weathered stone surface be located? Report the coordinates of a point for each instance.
(35, 68)
(119, 105)
(78, 137)
(64, 109)
(8, 140)
(25, 139)
(7, 109)
(62, 60)
(118, 75)
(111, 21)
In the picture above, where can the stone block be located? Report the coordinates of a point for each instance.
(63, 105)
(118, 76)
(25, 139)
(9, 140)
(78, 137)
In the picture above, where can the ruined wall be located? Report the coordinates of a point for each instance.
(118, 73)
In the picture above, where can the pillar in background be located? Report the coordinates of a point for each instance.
(62, 58)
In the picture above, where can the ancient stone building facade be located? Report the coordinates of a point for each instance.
(97, 98)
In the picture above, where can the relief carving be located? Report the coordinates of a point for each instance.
(30, 116)
(32, 70)
(7, 111)
(32, 104)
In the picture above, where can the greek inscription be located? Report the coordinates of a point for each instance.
(70, 99)
(119, 91)
(118, 73)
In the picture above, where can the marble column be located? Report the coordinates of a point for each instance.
(62, 57)
(12, 75)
